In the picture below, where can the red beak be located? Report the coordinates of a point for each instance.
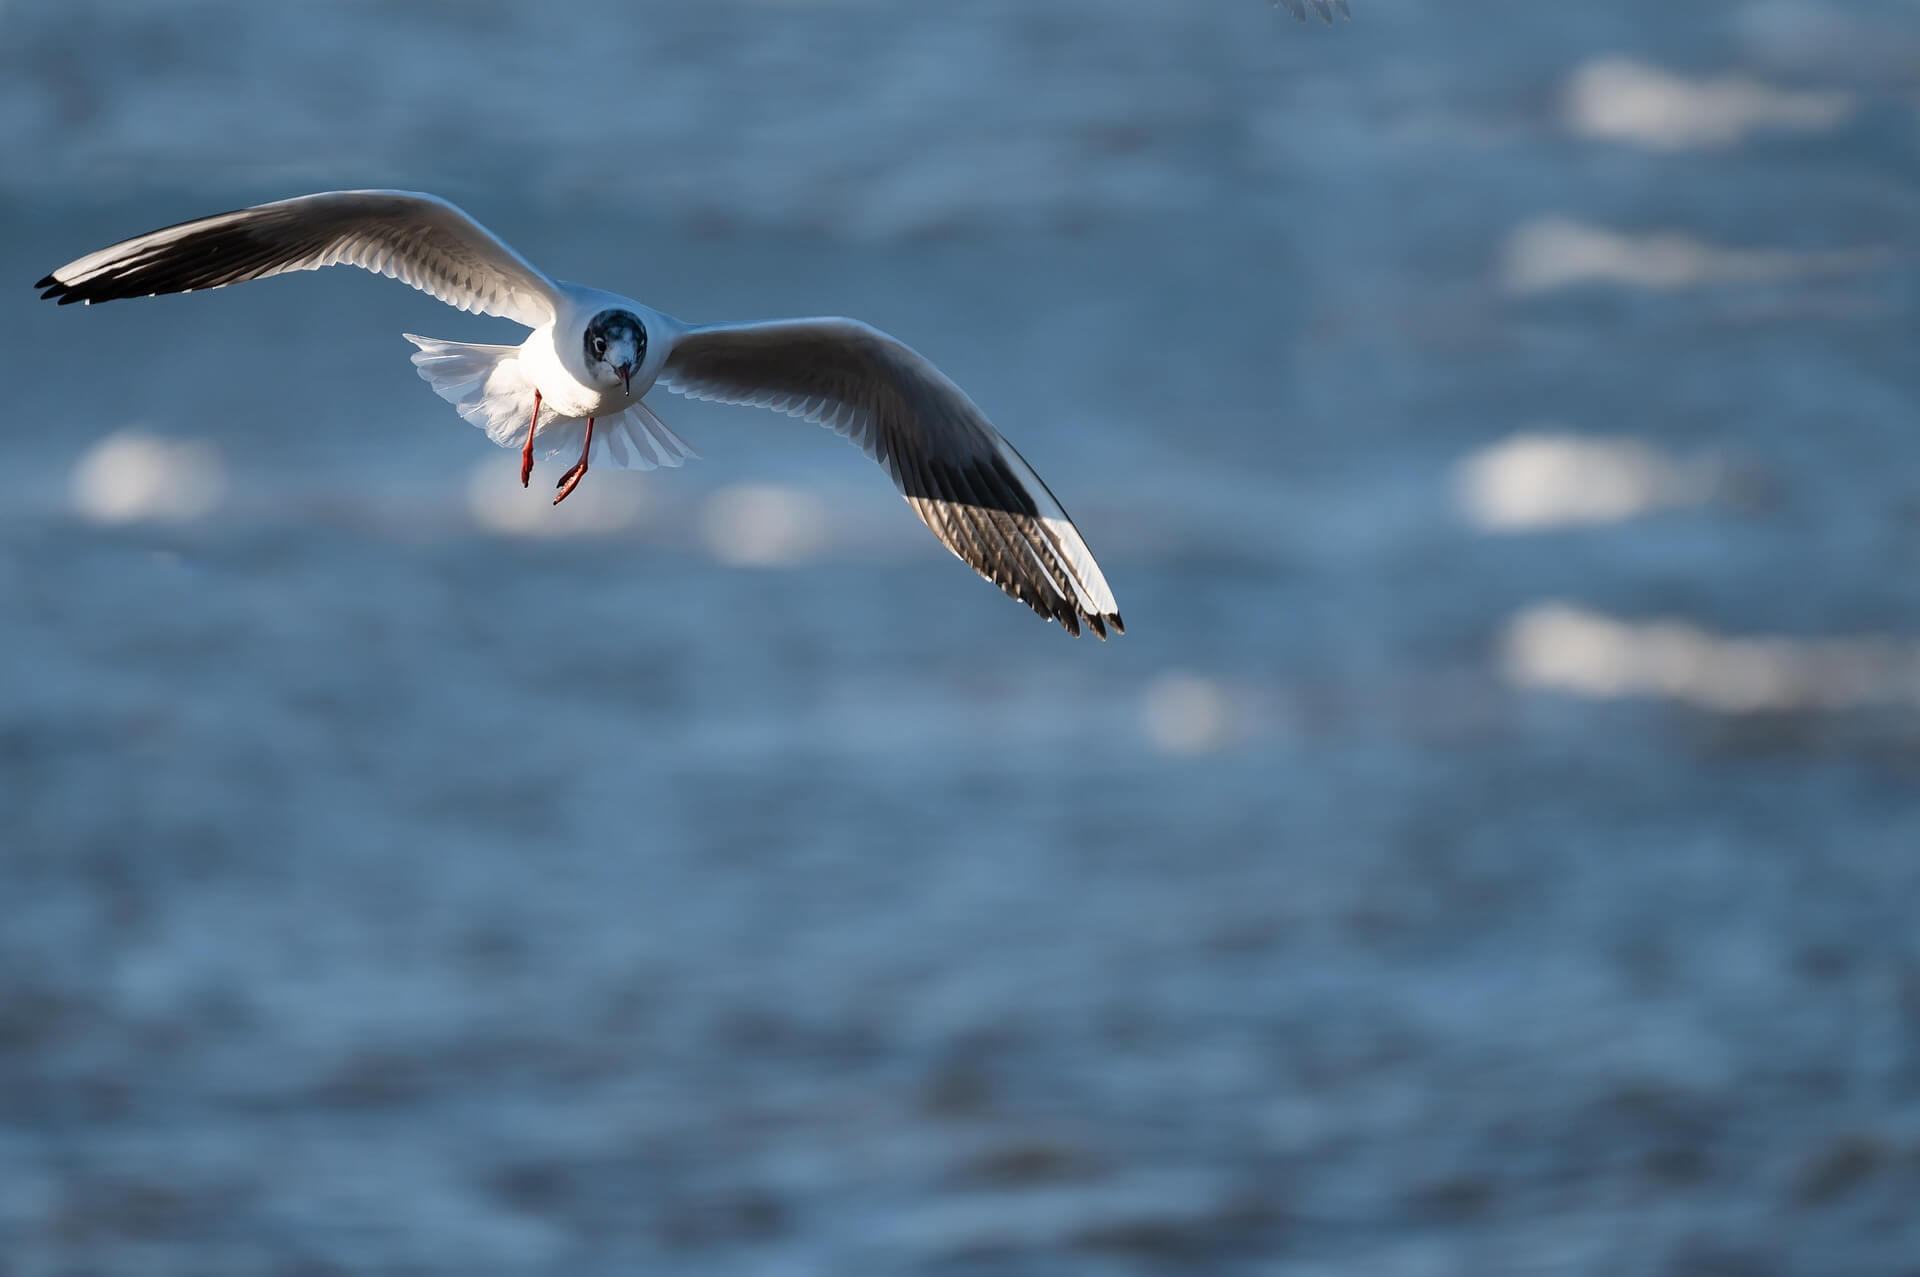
(626, 375)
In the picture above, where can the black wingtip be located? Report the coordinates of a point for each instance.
(53, 290)
(1100, 623)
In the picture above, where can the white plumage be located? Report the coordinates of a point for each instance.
(577, 383)
(488, 387)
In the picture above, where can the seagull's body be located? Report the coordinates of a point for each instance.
(579, 380)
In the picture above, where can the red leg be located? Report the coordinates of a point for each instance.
(526, 453)
(571, 479)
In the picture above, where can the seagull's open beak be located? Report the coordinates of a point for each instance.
(626, 375)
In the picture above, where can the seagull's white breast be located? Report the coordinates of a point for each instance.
(561, 387)
(554, 357)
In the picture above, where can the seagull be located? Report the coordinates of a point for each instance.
(1325, 9)
(593, 356)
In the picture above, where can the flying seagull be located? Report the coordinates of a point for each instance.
(592, 357)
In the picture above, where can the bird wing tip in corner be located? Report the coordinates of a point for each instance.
(1103, 624)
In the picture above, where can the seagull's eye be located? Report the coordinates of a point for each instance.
(599, 347)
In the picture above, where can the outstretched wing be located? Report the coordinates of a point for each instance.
(417, 239)
(965, 482)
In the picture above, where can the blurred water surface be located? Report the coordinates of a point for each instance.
(1491, 849)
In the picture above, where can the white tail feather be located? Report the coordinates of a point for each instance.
(486, 385)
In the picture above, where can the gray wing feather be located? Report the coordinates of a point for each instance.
(420, 240)
(963, 479)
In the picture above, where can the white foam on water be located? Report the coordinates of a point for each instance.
(763, 525)
(603, 503)
(1546, 478)
(1623, 100)
(1183, 713)
(1563, 648)
(134, 476)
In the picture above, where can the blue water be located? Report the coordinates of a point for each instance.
(381, 891)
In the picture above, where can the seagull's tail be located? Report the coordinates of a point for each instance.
(487, 386)
(631, 440)
(483, 382)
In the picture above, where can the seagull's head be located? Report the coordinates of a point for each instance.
(616, 347)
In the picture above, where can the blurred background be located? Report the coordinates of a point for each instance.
(1491, 849)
